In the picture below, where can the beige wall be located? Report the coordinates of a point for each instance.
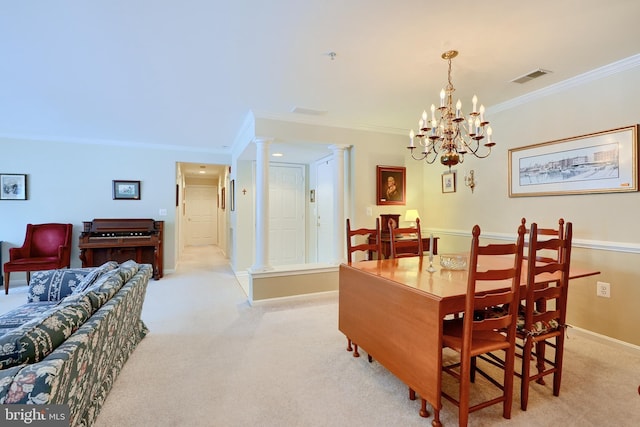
(605, 235)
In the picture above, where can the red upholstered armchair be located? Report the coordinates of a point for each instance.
(46, 247)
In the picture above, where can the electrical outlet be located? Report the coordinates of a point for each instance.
(603, 289)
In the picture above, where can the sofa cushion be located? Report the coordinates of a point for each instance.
(93, 276)
(128, 269)
(23, 314)
(53, 285)
(104, 288)
(34, 340)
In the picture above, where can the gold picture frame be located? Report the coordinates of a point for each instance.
(449, 182)
(601, 162)
(391, 183)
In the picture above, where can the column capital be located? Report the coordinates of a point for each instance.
(339, 147)
(258, 140)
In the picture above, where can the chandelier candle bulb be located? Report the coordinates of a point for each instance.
(433, 112)
(458, 108)
(481, 113)
(475, 102)
(442, 98)
(411, 135)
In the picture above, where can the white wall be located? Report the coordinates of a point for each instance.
(72, 183)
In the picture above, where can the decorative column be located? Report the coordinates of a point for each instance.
(262, 206)
(339, 220)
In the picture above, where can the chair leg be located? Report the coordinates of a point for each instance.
(465, 385)
(525, 373)
(540, 354)
(6, 283)
(472, 375)
(349, 348)
(28, 277)
(557, 375)
(509, 358)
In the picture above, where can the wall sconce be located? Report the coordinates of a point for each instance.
(469, 180)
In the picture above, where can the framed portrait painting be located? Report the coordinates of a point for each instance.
(391, 185)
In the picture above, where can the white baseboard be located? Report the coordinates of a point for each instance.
(605, 339)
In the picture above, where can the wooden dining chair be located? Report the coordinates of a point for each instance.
(550, 255)
(476, 333)
(542, 323)
(402, 241)
(365, 245)
(544, 256)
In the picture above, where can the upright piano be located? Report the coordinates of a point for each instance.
(117, 239)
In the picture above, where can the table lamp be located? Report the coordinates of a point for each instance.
(411, 215)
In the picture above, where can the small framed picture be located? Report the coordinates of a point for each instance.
(232, 195)
(126, 190)
(13, 187)
(449, 182)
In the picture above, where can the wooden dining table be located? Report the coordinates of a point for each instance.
(394, 310)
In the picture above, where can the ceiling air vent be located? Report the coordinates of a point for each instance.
(531, 75)
(308, 111)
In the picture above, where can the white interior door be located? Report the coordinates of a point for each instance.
(201, 215)
(325, 207)
(287, 221)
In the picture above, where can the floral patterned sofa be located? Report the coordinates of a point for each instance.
(68, 343)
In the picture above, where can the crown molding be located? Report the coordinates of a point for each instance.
(581, 79)
(113, 143)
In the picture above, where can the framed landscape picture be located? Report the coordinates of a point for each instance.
(391, 185)
(601, 162)
(126, 190)
(13, 187)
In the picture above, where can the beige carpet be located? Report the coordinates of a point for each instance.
(212, 360)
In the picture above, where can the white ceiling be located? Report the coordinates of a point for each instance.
(187, 73)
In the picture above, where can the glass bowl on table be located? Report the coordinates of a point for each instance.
(453, 261)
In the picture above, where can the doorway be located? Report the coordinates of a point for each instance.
(201, 214)
(287, 236)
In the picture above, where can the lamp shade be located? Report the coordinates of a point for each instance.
(411, 215)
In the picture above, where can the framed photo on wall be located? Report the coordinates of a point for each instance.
(232, 194)
(126, 190)
(391, 185)
(13, 186)
(602, 162)
(449, 182)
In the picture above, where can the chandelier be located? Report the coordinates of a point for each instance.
(448, 133)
